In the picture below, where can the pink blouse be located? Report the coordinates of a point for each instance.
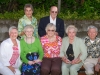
(51, 49)
(15, 55)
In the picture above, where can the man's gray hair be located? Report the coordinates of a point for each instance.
(92, 27)
(12, 27)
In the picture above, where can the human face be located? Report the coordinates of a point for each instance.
(53, 12)
(28, 12)
(51, 32)
(29, 33)
(92, 33)
(13, 34)
(71, 34)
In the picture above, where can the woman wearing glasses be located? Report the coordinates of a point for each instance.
(31, 52)
(73, 52)
(51, 44)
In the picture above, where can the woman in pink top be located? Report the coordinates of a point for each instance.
(51, 43)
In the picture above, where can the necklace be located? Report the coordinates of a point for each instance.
(27, 44)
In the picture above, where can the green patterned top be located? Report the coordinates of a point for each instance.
(25, 21)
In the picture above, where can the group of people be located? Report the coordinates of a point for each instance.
(43, 49)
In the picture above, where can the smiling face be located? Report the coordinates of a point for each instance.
(53, 12)
(71, 34)
(51, 31)
(13, 34)
(29, 32)
(92, 33)
(28, 12)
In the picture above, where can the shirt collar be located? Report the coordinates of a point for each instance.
(51, 18)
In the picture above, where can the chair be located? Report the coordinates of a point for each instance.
(81, 71)
(97, 73)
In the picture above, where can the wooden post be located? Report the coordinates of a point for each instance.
(59, 6)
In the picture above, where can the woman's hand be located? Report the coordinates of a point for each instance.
(31, 62)
(76, 61)
(97, 67)
(66, 60)
(37, 61)
(12, 69)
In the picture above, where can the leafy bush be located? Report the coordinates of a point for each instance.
(70, 9)
(38, 13)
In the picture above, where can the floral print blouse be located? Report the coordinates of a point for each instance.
(25, 21)
(51, 49)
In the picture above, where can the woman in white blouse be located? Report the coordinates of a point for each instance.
(10, 54)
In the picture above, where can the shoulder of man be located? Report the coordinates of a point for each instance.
(60, 19)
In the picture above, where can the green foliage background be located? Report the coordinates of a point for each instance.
(70, 9)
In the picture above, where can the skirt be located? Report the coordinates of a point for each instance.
(34, 69)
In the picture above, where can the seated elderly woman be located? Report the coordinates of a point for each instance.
(73, 52)
(51, 44)
(10, 54)
(31, 52)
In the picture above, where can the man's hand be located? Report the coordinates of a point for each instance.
(22, 33)
(97, 67)
(12, 69)
(56, 33)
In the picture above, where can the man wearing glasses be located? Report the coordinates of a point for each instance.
(59, 23)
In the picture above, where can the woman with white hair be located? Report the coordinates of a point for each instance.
(51, 44)
(73, 52)
(10, 54)
(31, 52)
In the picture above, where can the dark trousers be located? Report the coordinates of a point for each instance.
(51, 66)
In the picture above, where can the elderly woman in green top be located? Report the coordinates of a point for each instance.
(26, 20)
(31, 52)
(73, 52)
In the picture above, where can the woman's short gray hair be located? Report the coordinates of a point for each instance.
(49, 25)
(28, 26)
(12, 27)
(92, 27)
(71, 27)
(28, 6)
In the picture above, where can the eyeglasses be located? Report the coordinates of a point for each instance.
(54, 11)
(51, 30)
